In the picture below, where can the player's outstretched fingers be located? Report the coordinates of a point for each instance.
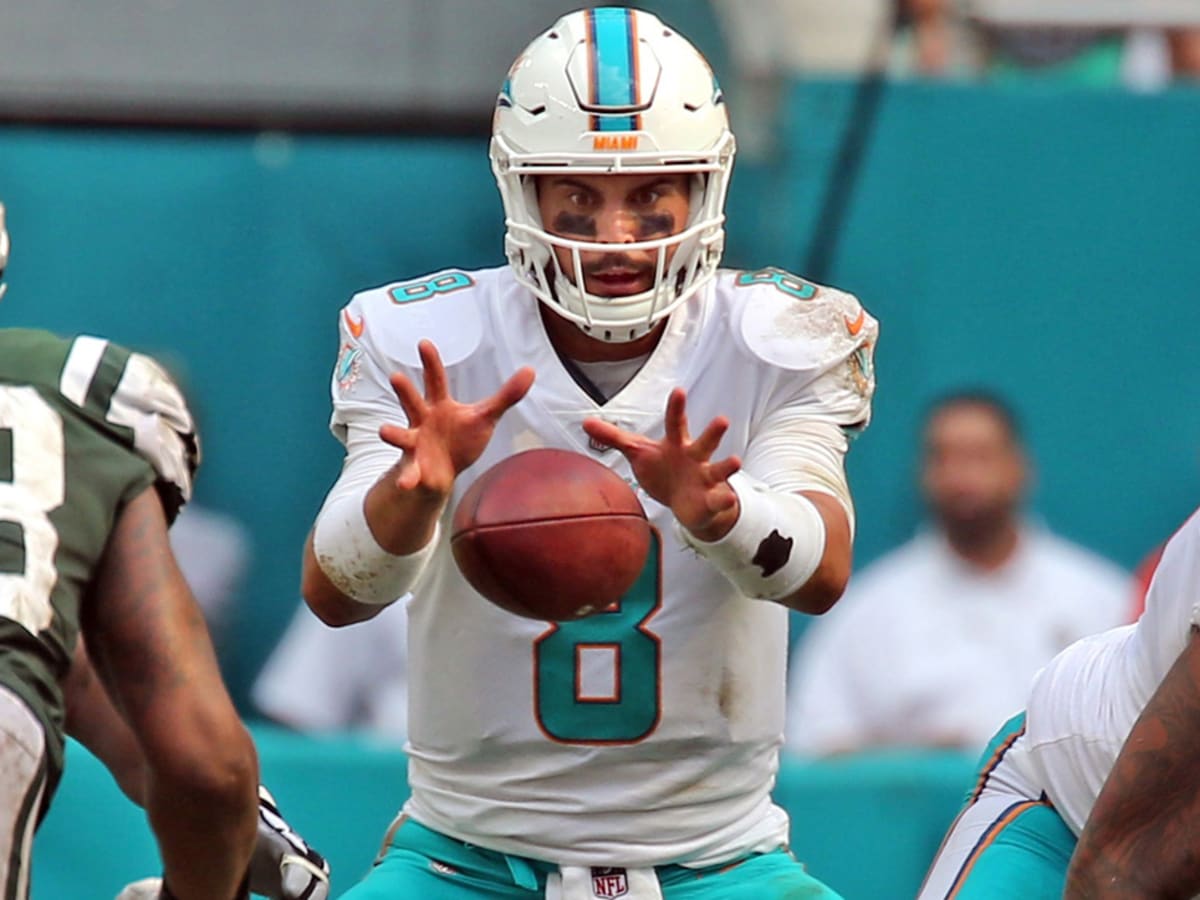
(398, 436)
(510, 393)
(627, 443)
(435, 373)
(710, 438)
(410, 398)
(723, 469)
(676, 417)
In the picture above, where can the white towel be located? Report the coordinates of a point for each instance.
(595, 883)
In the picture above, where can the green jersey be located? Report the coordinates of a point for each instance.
(85, 426)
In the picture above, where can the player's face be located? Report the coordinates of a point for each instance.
(973, 471)
(614, 209)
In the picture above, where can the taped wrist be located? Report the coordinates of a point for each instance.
(774, 546)
(352, 559)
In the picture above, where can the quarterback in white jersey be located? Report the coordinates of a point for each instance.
(1093, 788)
(535, 765)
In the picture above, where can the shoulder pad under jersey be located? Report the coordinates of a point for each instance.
(393, 319)
(798, 325)
(133, 391)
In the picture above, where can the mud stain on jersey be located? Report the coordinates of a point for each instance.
(727, 695)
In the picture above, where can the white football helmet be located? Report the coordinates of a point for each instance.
(3, 250)
(612, 90)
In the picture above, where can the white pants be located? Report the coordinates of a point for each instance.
(1008, 843)
(22, 784)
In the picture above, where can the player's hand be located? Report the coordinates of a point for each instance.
(444, 436)
(679, 472)
(283, 866)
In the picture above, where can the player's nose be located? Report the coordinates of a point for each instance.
(617, 226)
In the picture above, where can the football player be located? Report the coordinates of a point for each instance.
(97, 455)
(1093, 791)
(631, 753)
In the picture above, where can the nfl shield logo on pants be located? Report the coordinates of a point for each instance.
(609, 882)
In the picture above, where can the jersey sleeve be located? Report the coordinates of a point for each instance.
(363, 398)
(819, 340)
(1172, 589)
(816, 345)
(378, 331)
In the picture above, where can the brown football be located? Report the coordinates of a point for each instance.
(550, 534)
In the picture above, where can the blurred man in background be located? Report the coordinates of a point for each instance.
(354, 679)
(938, 640)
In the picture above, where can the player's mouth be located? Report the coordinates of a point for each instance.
(619, 282)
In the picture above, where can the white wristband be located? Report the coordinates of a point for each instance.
(774, 546)
(352, 559)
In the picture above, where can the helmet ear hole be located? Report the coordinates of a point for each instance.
(529, 190)
(698, 186)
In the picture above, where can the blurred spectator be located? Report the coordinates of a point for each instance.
(770, 42)
(767, 37)
(322, 679)
(945, 34)
(1184, 44)
(775, 40)
(213, 548)
(938, 640)
(213, 551)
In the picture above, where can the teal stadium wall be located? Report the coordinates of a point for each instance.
(1037, 240)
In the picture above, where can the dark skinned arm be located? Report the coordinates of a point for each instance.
(1142, 839)
(94, 722)
(150, 646)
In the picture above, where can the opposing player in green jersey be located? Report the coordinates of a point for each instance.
(97, 454)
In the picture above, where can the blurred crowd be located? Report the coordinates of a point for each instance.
(961, 39)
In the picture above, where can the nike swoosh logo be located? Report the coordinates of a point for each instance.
(356, 325)
(854, 326)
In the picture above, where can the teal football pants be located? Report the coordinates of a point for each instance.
(421, 864)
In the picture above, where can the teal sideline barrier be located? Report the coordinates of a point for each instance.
(1038, 240)
(868, 825)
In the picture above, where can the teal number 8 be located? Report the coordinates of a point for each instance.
(423, 290)
(790, 284)
(623, 709)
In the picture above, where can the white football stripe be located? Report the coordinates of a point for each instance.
(80, 368)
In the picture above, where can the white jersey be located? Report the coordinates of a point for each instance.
(1084, 703)
(662, 745)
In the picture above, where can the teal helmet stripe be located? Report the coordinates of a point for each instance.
(614, 74)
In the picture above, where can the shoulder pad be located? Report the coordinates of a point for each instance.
(393, 319)
(798, 325)
(135, 392)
